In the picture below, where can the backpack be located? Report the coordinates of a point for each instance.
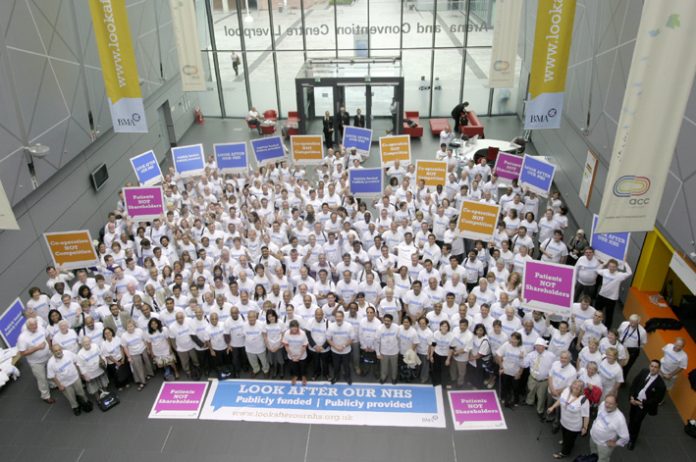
(662, 323)
(587, 458)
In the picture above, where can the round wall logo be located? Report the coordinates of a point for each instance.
(501, 65)
(631, 186)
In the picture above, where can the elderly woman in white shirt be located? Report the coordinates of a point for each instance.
(575, 416)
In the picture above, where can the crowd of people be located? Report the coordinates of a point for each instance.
(282, 273)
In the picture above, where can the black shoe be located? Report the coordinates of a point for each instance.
(631, 445)
(333, 381)
(350, 382)
(393, 382)
(76, 411)
(381, 382)
(555, 429)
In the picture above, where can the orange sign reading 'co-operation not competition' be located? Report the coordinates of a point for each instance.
(478, 220)
(433, 172)
(71, 249)
(397, 147)
(307, 149)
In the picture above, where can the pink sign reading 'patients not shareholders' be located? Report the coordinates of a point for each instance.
(143, 202)
(476, 410)
(548, 286)
(179, 400)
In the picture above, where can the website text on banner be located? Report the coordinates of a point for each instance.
(397, 147)
(307, 149)
(179, 400)
(72, 249)
(144, 203)
(366, 182)
(476, 410)
(231, 157)
(506, 27)
(552, 38)
(640, 161)
(358, 138)
(189, 160)
(478, 220)
(432, 172)
(187, 45)
(146, 168)
(609, 245)
(537, 175)
(508, 166)
(322, 403)
(548, 287)
(119, 69)
(268, 150)
(11, 323)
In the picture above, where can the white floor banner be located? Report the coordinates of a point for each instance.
(504, 51)
(661, 76)
(322, 403)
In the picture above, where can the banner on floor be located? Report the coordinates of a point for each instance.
(358, 138)
(307, 149)
(144, 203)
(366, 182)
(662, 73)
(478, 220)
(146, 168)
(589, 173)
(72, 249)
(609, 245)
(113, 36)
(322, 403)
(506, 28)
(7, 216)
(508, 166)
(395, 147)
(537, 175)
(188, 160)
(476, 410)
(433, 172)
(187, 47)
(231, 157)
(552, 38)
(548, 287)
(179, 400)
(268, 150)
(11, 323)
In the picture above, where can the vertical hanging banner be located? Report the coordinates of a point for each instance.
(640, 160)
(120, 71)
(506, 28)
(307, 149)
(589, 173)
(231, 157)
(7, 216)
(552, 38)
(187, 46)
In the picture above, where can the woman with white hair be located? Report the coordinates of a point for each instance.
(575, 416)
(92, 367)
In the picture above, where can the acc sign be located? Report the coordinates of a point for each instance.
(633, 186)
(72, 249)
(548, 287)
(307, 149)
(478, 220)
(433, 172)
(397, 147)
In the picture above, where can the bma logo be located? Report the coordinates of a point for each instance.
(633, 187)
(131, 121)
(543, 118)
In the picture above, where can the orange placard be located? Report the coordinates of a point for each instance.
(433, 172)
(478, 220)
(307, 149)
(397, 147)
(71, 249)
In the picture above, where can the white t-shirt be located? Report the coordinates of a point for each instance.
(387, 340)
(29, 339)
(425, 339)
(512, 358)
(88, 362)
(462, 341)
(611, 374)
(68, 341)
(182, 333)
(573, 410)
(63, 369)
(340, 335)
(296, 343)
(159, 342)
(673, 360)
(442, 343)
(134, 343)
(253, 338)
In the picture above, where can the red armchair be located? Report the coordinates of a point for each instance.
(415, 131)
(474, 128)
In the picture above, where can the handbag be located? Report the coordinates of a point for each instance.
(107, 400)
(486, 362)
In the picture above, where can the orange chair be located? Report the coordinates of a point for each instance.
(293, 123)
(474, 128)
(270, 114)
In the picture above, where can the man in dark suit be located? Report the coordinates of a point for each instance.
(647, 392)
(457, 114)
(359, 119)
(342, 119)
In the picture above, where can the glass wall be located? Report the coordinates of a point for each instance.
(253, 49)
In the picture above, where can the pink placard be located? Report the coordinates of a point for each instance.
(179, 400)
(508, 166)
(548, 287)
(144, 203)
(476, 410)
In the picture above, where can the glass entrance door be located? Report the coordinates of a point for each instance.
(382, 121)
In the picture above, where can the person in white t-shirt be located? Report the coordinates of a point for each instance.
(387, 349)
(553, 249)
(674, 362)
(158, 346)
(586, 274)
(575, 416)
(609, 430)
(91, 367)
(611, 372)
(32, 344)
(255, 344)
(63, 372)
(462, 344)
(180, 332)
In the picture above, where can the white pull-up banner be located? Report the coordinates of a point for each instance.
(506, 30)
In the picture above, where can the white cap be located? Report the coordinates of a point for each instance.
(540, 341)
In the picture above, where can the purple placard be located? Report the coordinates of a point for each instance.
(548, 287)
(179, 400)
(508, 166)
(144, 203)
(476, 410)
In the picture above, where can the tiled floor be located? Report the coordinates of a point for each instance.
(33, 431)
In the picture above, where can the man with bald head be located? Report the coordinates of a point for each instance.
(61, 369)
(33, 345)
(180, 332)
